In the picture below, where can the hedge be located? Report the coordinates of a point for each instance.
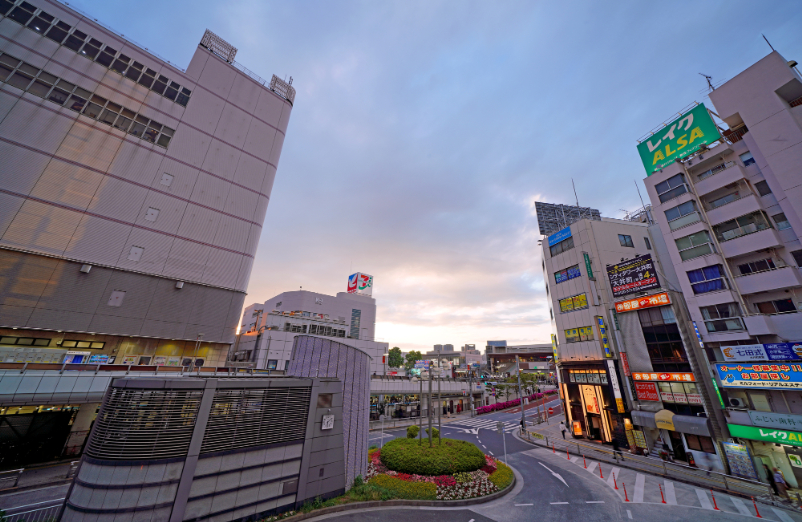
(502, 477)
(403, 489)
(412, 431)
(509, 404)
(446, 457)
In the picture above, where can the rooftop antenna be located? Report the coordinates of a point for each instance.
(648, 216)
(767, 41)
(709, 83)
(577, 197)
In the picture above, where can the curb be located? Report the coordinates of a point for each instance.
(32, 487)
(403, 503)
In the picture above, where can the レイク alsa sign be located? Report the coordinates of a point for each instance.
(678, 139)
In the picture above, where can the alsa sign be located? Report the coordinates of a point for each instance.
(678, 139)
(360, 283)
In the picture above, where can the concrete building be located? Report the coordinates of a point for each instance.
(534, 358)
(730, 212)
(132, 192)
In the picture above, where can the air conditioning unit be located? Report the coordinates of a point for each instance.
(737, 403)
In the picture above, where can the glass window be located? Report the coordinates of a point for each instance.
(106, 57)
(147, 78)
(134, 71)
(797, 257)
(165, 136)
(271, 364)
(120, 64)
(671, 188)
(160, 85)
(91, 48)
(20, 80)
(757, 266)
(183, 96)
(172, 91)
(781, 221)
(648, 243)
(5, 6)
(580, 301)
(22, 15)
(39, 23)
(569, 273)
(779, 306)
(695, 245)
(138, 128)
(75, 40)
(729, 198)
(741, 226)
(747, 159)
(762, 188)
(58, 32)
(707, 279)
(723, 317)
(562, 246)
(566, 305)
(626, 241)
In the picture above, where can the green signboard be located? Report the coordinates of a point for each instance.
(792, 438)
(678, 139)
(587, 265)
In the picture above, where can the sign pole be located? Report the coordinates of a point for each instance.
(381, 441)
(500, 426)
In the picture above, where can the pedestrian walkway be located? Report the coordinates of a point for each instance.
(641, 488)
(477, 423)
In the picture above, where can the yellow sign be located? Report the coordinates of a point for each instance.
(554, 346)
(619, 404)
(664, 419)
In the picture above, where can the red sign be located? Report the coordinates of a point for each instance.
(551, 411)
(677, 377)
(649, 301)
(392, 373)
(625, 362)
(647, 391)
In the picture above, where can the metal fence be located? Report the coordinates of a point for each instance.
(679, 472)
(9, 479)
(47, 511)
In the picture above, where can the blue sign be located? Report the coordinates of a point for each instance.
(763, 352)
(568, 273)
(562, 235)
(765, 375)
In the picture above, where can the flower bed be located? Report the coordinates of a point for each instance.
(509, 404)
(445, 457)
(457, 486)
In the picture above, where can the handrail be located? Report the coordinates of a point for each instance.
(30, 366)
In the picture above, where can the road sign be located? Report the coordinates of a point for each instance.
(551, 411)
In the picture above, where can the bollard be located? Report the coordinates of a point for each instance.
(626, 498)
(584, 463)
(600, 471)
(552, 448)
(715, 506)
(661, 493)
(756, 511)
(614, 482)
(567, 455)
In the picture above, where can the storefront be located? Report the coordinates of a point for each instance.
(588, 402)
(686, 438)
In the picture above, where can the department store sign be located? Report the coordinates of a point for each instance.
(776, 420)
(763, 352)
(789, 437)
(649, 301)
(760, 375)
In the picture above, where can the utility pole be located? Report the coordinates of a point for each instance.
(470, 388)
(429, 406)
(420, 414)
(523, 417)
(439, 393)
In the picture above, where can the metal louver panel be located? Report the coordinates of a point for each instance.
(145, 424)
(243, 418)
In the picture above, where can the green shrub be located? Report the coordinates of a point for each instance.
(412, 431)
(358, 481)
(463, 477)
(435, 433)
(367, 492)
(404, 489)
(447, 457)
(502, 477)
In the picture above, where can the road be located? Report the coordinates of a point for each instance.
(553, 488)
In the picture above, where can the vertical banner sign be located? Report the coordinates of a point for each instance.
(619, 400)
(698, 335)
(554, 346)
(605, 342)
(587, 265)
(625, 363)
(678, 139)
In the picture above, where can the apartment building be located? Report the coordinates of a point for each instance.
(730, 210)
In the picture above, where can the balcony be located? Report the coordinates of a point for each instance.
(732, 173)
(759, 325)
(684, 221)
(777, 279)
(750, 241)
(786, 325)
(732, 209)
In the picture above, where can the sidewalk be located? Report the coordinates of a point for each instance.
(37, 476)
(403, 423)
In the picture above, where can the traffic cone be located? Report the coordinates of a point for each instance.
(584, 463)
(661, 493)
(615, 482)
(626, 498)
(715, 506)
(756, 511)
(600, 471)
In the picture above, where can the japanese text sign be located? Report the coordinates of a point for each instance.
(760, 375)
(633, 276)
(763, 352)
(652, 376)
(791, 438)
(647, 391)
(649, 301)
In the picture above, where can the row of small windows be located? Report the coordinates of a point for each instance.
(576, 302)
(62, 33)
(28, 78)
(314, 329)
(568, 244)
(576, 335)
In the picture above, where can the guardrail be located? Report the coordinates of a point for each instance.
(61, 368)
(696, 476)
(10, 478)
(46, 511)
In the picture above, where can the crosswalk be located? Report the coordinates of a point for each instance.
(477, 423)
(649, 489)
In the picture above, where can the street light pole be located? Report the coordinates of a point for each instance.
(520, 396)
(429, 406)
(470, 389)
(439, 393)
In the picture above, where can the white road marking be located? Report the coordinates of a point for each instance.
(577, 460)
(492, 453)
(612, 479)
(524, 504)
(558, 503)
(629, 514)
(594, 502)
(740, 506)
(640, 482)
(592, 466)
(471, 520)
(485, 447)
(555, 474)
(671, 496)
(782, 515)
(703, 500)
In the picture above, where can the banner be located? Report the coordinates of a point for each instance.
(647, 391)
(760, 375)
(763, 352)
(635, 275)
(678, 139)
(649, 301)
(562, 235)
(792, 438)
(677, 377)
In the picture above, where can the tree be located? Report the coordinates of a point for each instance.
(395, 359)
(411, 357)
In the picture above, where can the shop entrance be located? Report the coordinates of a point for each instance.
(33, 437)
(677, 446)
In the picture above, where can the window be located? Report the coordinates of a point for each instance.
(781, 221)
(700, 443)
(562, 246)
(747, 159)
(325, 400)
(779, 306)
(715, 170)
(648, 243)
(763, 188)
(707, 279)
(626, 241)
(671, 188)
(729, 198)
(757, 266)
(286, 365)
(722, 317)
(694, 245)
(575, 335)
(741, 226)
(576, 302)
(797, 257)
(271, 364)
(564, 275)
(663, 340)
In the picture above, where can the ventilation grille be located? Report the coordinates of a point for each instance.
(145, 424)
(255, 417)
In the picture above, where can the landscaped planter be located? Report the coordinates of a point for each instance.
(509, 404)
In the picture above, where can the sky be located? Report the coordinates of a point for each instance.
(424, 131)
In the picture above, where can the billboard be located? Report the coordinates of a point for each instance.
(760, 375)
(649, 301)
(633, 276)
(560, 236)
(552, 218)
(763, 352)
(360, 283)
(678, 139)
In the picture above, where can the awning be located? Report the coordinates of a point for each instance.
(682, 423)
